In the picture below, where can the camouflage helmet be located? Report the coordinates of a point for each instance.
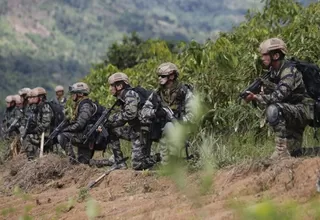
(272, 44)
(24, 91)
(9, 98)
(38, 91)
(118, 77)
(59, 88)
(17, 98)
(29, 93)
(79, 87)
(167, 69)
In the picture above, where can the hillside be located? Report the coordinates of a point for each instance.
(247, 191)
(82, 30)
(46, 42)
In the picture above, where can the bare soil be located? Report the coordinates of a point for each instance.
(49, 184)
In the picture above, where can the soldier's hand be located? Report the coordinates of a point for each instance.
(99, 129)
(250, 97)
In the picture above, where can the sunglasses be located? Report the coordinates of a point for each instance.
(163, 76)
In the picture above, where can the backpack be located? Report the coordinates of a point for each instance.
(143, 95)
(311, 76)
(58, 115)
(98, 110)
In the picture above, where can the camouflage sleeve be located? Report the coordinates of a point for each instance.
(19, 117)
(187, 117)
(129, 110)
(85, 113)
(44, 119)
(291, 78)
(12, 116)
(148, 110)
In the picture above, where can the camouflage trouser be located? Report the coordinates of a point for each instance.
(164, 143)
(130, 134)
(67, 140)
(31, 145)
(290, 127)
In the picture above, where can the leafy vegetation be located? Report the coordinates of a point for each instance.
(220, 69)
(59, 39)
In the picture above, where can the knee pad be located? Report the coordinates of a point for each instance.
(274, 114)
(63, 140)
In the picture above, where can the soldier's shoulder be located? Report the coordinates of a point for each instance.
(131, 94)
(290, 70)
(46, 107)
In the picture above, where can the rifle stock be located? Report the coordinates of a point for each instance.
(12, 125)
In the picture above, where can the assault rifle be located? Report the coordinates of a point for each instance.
(100, 123)
(13, 124)
(254, 87)
(56, 131)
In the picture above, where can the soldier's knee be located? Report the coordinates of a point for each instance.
(274, 114)
(63, 139)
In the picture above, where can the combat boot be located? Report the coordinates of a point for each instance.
(119, 161)
(100, 163)
(119, 166)
(281, 152)
(71, 154)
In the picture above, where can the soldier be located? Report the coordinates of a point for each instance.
(173, 94)
(24, 94)
(8, 115)
(74, 132)
(15, 146)
(128, 114)
(60, 98)
(40, 122)
(289, 109)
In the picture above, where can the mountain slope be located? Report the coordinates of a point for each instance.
(66, 36)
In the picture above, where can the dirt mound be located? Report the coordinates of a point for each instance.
(29, 175)
(128, 194)
(291, 178)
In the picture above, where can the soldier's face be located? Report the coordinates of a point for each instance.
(36, 100)
(113, 90)
(266, 60)
(8, 104)
(74, 97)
(60, 93)
(163, 79)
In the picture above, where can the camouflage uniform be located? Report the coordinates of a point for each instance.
(74, 132)
(8, 118)
(42, 116)
(178, 98)
(129, 100)
(290, 98)
(61, 101)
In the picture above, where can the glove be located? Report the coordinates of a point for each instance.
(160, 113)
(21, 129)
(250, 97)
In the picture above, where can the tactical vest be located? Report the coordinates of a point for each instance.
(175, 98)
